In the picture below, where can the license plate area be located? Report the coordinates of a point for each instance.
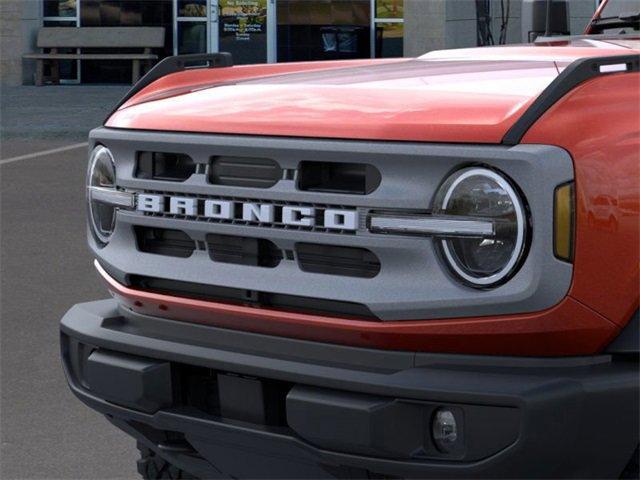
(242, 398)
(232, 396)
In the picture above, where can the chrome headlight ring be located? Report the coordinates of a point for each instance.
(478, 192)
(103, 197)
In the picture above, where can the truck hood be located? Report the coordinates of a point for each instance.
(470, 95)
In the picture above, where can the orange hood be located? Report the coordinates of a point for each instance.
(468, 95)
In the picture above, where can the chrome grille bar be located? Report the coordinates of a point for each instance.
(112, 196)
(431, 225)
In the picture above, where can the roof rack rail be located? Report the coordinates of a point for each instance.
(542, 39)
(174, 64)
(573, 75)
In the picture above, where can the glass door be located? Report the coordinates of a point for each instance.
(190, 32)
(245, 28)
(387, 28)
(63, 13)
(323, 30)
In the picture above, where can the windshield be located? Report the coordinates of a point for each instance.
(618, 16)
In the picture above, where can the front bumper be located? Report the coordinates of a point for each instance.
(222, 403)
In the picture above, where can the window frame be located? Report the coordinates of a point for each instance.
(375, 21)
(76, 19)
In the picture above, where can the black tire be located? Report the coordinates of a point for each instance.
(632, 470)
(153, 467)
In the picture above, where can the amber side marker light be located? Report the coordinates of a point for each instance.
(564, 222)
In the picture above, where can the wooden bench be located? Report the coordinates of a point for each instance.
(56, 38)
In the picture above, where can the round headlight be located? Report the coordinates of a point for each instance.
(102, 175)
(474, 193)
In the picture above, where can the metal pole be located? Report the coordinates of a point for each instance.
(547, 28)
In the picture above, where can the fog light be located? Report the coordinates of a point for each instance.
(444, 429)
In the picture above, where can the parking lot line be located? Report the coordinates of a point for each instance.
(42, 153)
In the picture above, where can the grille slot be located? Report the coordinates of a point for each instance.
(162, 241)
(173, 167)
(244, 172)
(257, 252)
(253, 298)
(334, 260)
(333, 177)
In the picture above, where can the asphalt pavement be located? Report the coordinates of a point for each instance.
(45, 268)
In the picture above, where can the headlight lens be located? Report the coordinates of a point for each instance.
(102, 174)
(483, 261)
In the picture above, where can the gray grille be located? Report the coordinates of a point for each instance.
(411, 283)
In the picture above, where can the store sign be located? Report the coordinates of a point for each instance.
(242, 19)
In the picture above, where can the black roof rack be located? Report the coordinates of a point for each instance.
(602, 37)
(177, 63)
(577, 72)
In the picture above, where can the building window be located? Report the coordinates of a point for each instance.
(192, 8)
(386, 9)
(388, 28)
(192, 37)
(123, 13)
(254, 31)
(66, 9)
(323, 29)
(244, 30)
(190, 28)
(63, 13)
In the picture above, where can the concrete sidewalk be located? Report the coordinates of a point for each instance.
(39, 118)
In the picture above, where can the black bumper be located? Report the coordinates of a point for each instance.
(223, 403)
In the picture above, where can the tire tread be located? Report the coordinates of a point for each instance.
(153, 467)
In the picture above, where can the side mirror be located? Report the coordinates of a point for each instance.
(544, 18)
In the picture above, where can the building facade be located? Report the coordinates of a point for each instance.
(259, 31)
